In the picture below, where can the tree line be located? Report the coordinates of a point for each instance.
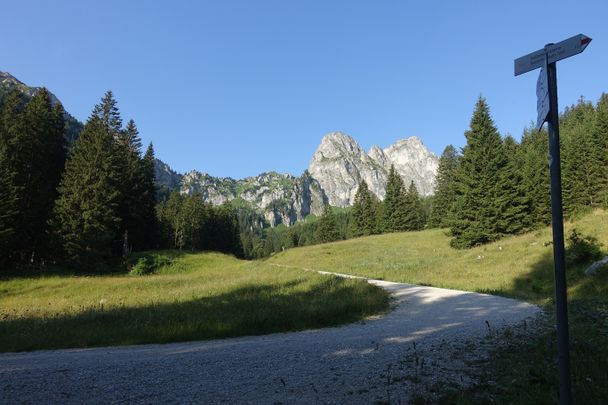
(496, 186)
(90, 202)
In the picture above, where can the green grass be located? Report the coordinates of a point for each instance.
(523, 370)
(190, 297)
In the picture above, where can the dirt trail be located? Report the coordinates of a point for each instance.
(380, 359)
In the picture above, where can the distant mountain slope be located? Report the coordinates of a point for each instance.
(334, 173)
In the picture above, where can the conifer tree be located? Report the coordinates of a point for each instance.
(513, 198)
(364, 211)
(327, 229)
(600, 138)
(445, 192)
(33, 143)
(536, 176)
(476, 213)
(394, 210)
(578, 163)
(145, 231)
(8, 208)
(86, 214)
(414, 212)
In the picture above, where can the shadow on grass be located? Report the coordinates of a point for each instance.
(250, 310)
(525, 369)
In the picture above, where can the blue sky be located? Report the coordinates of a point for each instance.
(235, 88)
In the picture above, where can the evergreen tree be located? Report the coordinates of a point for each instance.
(327, 230)
(33, 143)
(578, 163)
(513, 198)
(476, 211)
(8, 209)
(414, 212)
(146, 230)
(364, 211)
(394, 210)
(600, 140)
(445, 188)
(536, 177)
(86, 215)
(128, 153)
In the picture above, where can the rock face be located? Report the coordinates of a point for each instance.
(280, 198)
(339, 164)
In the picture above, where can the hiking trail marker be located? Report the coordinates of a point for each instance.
(546, 107)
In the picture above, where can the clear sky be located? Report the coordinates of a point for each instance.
(235, 88)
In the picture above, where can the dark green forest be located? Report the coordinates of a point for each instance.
(88, 201)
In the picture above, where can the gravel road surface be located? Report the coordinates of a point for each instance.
(383, 359)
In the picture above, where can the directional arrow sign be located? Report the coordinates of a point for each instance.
(554, 52)
(542, 98)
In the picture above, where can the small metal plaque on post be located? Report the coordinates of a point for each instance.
(542, 98)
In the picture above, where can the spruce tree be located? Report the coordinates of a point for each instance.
(578, 163)
(363, 211)
(33, 143)
(600, 138)
(414, 212)
(513, 199)
(445, 192)
(146, 229)
(86, 214)
(476, 211)
(327, 229)
(394, 210)
(8, 209)
(536, 177)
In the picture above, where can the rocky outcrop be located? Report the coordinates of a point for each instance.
(339, 164)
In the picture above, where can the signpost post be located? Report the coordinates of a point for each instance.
(546, 92)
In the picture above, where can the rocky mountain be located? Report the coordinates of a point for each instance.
(339, 165)
(334, 173)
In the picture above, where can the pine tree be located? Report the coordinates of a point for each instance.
(512, 198)
(364, 211)
(394, 210)
(327, 229)
(414, 212)
(445, 192)
(476, 211)
(86, 214)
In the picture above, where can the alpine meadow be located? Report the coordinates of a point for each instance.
(302, 203)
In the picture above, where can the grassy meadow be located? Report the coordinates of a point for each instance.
(524, 370)
(189, 297)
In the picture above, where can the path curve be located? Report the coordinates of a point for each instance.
(379, 359)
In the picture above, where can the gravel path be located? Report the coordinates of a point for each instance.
(383, 359)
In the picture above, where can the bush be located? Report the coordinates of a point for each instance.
(582, 249)
(149, 262)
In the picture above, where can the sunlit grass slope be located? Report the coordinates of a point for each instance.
(518, 266)
(524, 371)
(196, 296)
